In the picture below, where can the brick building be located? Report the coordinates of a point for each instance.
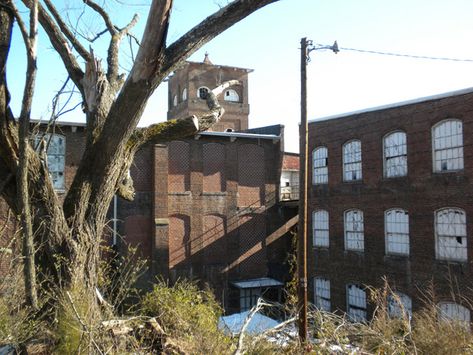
(392, 196)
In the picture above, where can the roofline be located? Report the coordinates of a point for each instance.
(60, 123)
(396, 104)
(222, 66)
(239, 135)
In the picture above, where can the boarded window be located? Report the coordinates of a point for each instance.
(399, 305)
(56, 151)
(354, 230)
(447, 139)
(320, 228)
(352, 170)
(397, 231)
(251, 166)
(231, 95)
(450, 230)
(178, 166)
(449, 311)
(322, 294)
(395, 155)
(320, 166)
(213, 167)
(356, 303)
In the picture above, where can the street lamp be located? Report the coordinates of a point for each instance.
(307, 46)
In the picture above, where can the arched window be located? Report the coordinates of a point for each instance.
(56, 151)
(322, 294)
(231, 95)
(174, 100)
(184, 94)
(447, 142)
(450, 311)
(354, 230)
(356, 303)
(320, 227)
(450, 234)
(395, 154)
(320, 166)
(399, 305)
(202, 92)
(352, 170)
(396, 226)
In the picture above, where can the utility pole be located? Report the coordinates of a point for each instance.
(307, 46)
(302, 228)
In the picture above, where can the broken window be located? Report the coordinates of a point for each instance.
(395, 155)
(352, 161)
(320, 166)
(447, 139)
(231, 95)
(450, 230)
(356, 303)
(56, 151)
(322, 294)
(320, 228)
(399, 305)
(397, 231)
(354, 230)
(454, 312)
(202, 92)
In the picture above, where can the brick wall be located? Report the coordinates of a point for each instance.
(421, 193)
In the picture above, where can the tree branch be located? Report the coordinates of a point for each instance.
(65, 30)
(184, 127)
(208, 29)
(60, 44)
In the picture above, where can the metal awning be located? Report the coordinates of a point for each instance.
(254, 283)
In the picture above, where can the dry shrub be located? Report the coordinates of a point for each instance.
(188, 315)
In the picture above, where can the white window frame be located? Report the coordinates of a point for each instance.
(320, 166)
(352, 161)
(58, 176)
(396, 231)
(395, 154)
(356, 303)
(184, 94)
(202, 88)
(451, 235)
(322, 294)
(320, 229)
(447, 146)
(399, 305)
(454, 312)
(231, 96)
(354, 230)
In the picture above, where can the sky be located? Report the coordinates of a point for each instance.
(268, 42)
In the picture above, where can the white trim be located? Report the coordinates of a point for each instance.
(240, 135)
(394, 105)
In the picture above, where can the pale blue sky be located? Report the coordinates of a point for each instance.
(268, 42)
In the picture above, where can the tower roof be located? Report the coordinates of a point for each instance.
(206, 59)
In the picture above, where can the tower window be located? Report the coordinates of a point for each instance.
(231, 95)
(174, 100)
(202, 92)
(184, 94)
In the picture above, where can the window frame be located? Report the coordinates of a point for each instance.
(345, 230)
(394, 306)
(201, 88)
(345, 163)
(460, 309)
(437, 237)
(388, 251)
(314, 236)
(232, 94)
(350, 306)
(385, 157)
(434, 150)
(321, 167)
(321, 301)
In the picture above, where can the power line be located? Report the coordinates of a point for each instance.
(400, 54)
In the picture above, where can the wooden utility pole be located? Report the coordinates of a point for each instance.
(302, 234)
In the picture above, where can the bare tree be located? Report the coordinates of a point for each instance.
(67, 235)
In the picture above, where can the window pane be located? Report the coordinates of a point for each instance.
(320, 226)
(354, 230)
(395, 155)
(399, 304)
(352, 169)
(448, 146)
(322, 294)
(319, 161)
(454, 312)
(450, 227)
(397, 232)
(356, 303)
